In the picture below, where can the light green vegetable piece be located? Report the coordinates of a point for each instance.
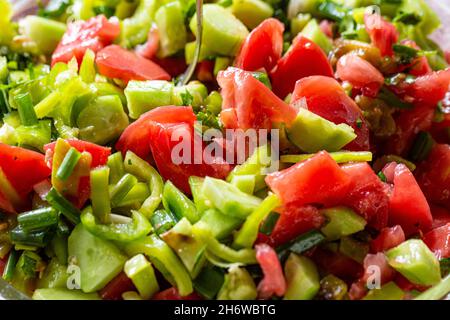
(238, 285)
(389, 291)
(312, 32)
(415, 261)
(302, 278)
(342, 222)
(141, 272)
(251, 12)
(44, 32)
(63, 294)
(172, 31)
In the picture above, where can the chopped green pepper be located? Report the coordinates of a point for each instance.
(342, 222)
(178, 203)
(141, 272)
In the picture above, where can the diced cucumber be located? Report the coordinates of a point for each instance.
(223, 33)
(201, 201)
(415, 261)
(35, 136)
(228, 199)
(55, 275)
(312, 32)
(63, 294)
(99, 260)
(189, 52)
(302, 6)
(221, 63)
(44, 32)
(389, 291)
(103, 120)
(245, 183)
(143, 96)
(219, 224)
(312, 133)
(172, 31)
(299, 22)
(141, 272)
(302, 278)
(342, 222)
(194, 89)
(251, 12)
(238, 285)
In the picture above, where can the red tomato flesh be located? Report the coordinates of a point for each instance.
(114, 289)
(438, 240)
(116, 62)
(383, 34)
(273, 282)
(172, 294)
(388, 238)
(303, 59)
(262, 47)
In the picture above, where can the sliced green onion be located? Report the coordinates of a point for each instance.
(115, 164)
(162, 221)
(8, 272)
(437, 292)
(339, 156)
(301, 244)
(62, 229)
(209, 282)
(136, 196)
(101, 206)
(64, 206)
(421, 147)
(382, 176)
(47, 105)
(38, 219)
(269, 223)
(68, 164)
(4, 105)
(392, 100)
(121, 189)
(38, 238)
(26, 111)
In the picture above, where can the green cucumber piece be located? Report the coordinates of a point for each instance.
(302, 278)
(99, 260)
(312, 133)
(251, 12)
(172, 31)
(44, 32)
(415, 261)
(389, 291)
(342, 222)
(63, 294)
(219, 224)
(238, 285)
(223, 33)
(299, 22)
(55, 275)
(189, 52)
(312, 32)
(143, 96)
(141, 272)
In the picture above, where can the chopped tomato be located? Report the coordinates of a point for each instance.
(248, 103)
(407, 204)
(99, 154)
(433, 175)
(23, 168)
(419, 66)
(114, 289)
(172, 294)
(378, 260)
(6, 204)
(429, 89)
(360, 74)
(136, 136)
(337, 264)
(407, 285)
(149, 49)
(172, 65)
(326, 98)
(326, 27)
(3, 264)
(263, 47)
(163, 131)
(93, 34)
(367, 194)
(317, 180)
(294, 220)
(303, 59)
(441, 216)
(438, 240)
(383, 34)
(205, 71)
(273, 282)
(387, 239)
(117, 62)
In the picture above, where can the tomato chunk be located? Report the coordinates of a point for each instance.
(114, 289)
(383, 34)
(431, 88)
(407, 204)
(438, 240)
(388, 238)
(367, 194)
(117, 62)
(441, 216)
(93, 34)
(263, 46)
(325, 97)
(433, 175)
(360, 74)
(337, 264)
(248, 103)
(172, 294)
(317, 180)
(303, 59)
(273, 282)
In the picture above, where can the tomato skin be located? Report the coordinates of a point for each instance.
(114, 289)
(297, 64)
(433, 175)
(317, 180)
(16, 163)
(383, 34)
(248, 103)
(367, 194)
(431, 88)
(388, 238)
(294, 220)
(116, 62)
(441, 216)
(99, 153)
(360, 74)
(273, 282)
(262, 47)
(135, 136)
(438, 240)
(93, 34)
(408, 206)
(326, 98)
(172, 294)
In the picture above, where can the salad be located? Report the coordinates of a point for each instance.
(232, 150)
